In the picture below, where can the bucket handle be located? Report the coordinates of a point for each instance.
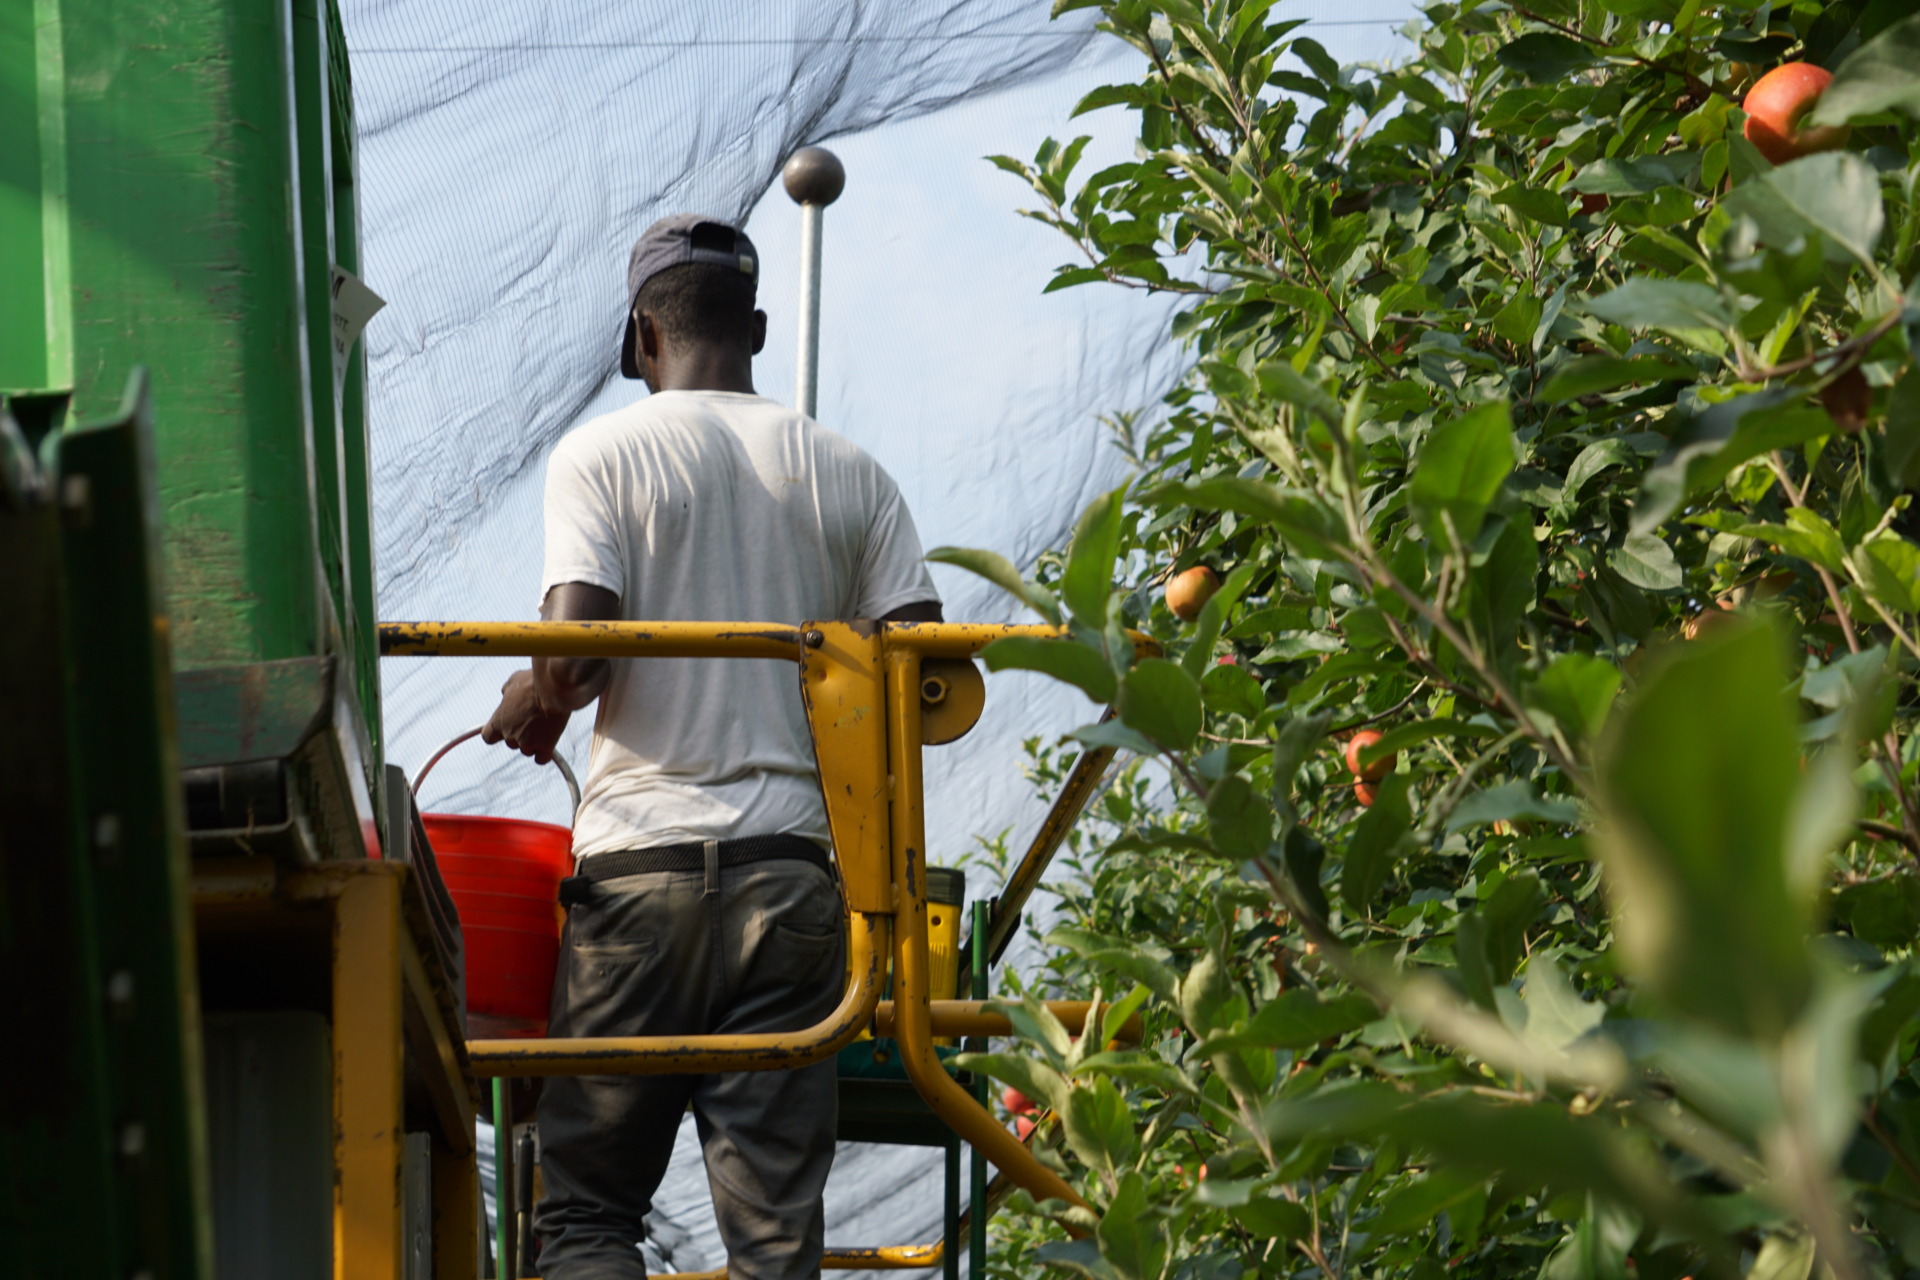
(559, 761)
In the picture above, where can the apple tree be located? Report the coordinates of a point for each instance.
(1541, 425)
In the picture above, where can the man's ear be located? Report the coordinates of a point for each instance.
(759, 331)
(646, 338)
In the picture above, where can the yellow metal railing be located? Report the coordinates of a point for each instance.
(870, 773)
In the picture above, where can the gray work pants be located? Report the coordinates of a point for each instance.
(751, 948)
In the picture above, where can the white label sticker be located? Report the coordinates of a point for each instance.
(353, 305)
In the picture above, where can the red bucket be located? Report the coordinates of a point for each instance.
(504, 876)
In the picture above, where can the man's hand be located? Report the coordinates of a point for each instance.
(522, 722)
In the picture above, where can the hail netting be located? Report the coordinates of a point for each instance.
(508, 156)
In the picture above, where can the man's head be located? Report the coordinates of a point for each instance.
(691, 321)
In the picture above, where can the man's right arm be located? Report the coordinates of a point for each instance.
(568, 684)
(536, 704)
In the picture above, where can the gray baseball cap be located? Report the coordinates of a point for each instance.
(674, 241)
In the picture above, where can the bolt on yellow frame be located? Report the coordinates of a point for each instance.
(860, 683)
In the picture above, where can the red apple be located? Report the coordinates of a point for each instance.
(1777, 104)
(1379, 768)
(1017, 1103)
(1023, 1128)
(1366, 793)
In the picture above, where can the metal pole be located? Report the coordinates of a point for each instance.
(814, 178)
(806, 375)
(977, 1209)
(503, 1201)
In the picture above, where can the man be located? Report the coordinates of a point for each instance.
(702, 902)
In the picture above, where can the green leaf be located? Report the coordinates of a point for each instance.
(1111, 733)
(1697, 778)
(1525, 1145)
(1107, 95)
(1556, 1015)
(1783, 1256)
(1577, 690)
(1544, 56)
(1846, 681)
(1160, 700)
(1297, 1019)
(1146, 963)
(1080, 665)
(1088, 579)
(1597, 1247)
(1131, 1239)
(1209, 1000)
(1590, 375)
(1889, 569)
(1492, 937)
(1903, 430)
(1114, 1017)
(1834, 193)
(1068, 277)
(1036, 1024)
(1510, 802)
(1303, 857)
(1034, 1078)
(1878, 76)
(1645, 561)
(1535, 204)
(1239, 819)
(1898, 1002)
(1590, 462)
(1673, 305)
(1302, 519)
(1226, 688)
(1633, 176)
(1213, 616)
(1708, 447)
(1099, 1125)
(1414, 1205)
(1517, 320)
(1318, 60)
(1459, 470)
(1375, 838)
(1081, 1256)
(1281, 380)
(1806, 535)
(1272, 1218)
(999, 570)
(1401, 737)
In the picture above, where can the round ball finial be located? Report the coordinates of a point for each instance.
(814, 176)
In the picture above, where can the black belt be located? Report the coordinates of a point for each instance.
(693, 856)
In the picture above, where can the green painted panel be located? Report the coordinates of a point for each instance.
(313, 124)
(185, 255)
(102, 1125)
(256, 711)
(124, 755)
(54, 1115)
(355, 444)
(23, 328)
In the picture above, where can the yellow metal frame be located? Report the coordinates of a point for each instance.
(388, 999)
(861, 684)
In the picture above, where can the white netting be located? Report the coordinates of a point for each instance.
(508, 157)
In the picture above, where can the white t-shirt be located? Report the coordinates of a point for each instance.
(723, 507)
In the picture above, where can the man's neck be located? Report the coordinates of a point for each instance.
(707, 369)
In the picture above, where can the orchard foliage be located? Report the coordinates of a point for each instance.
(1540, 424)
